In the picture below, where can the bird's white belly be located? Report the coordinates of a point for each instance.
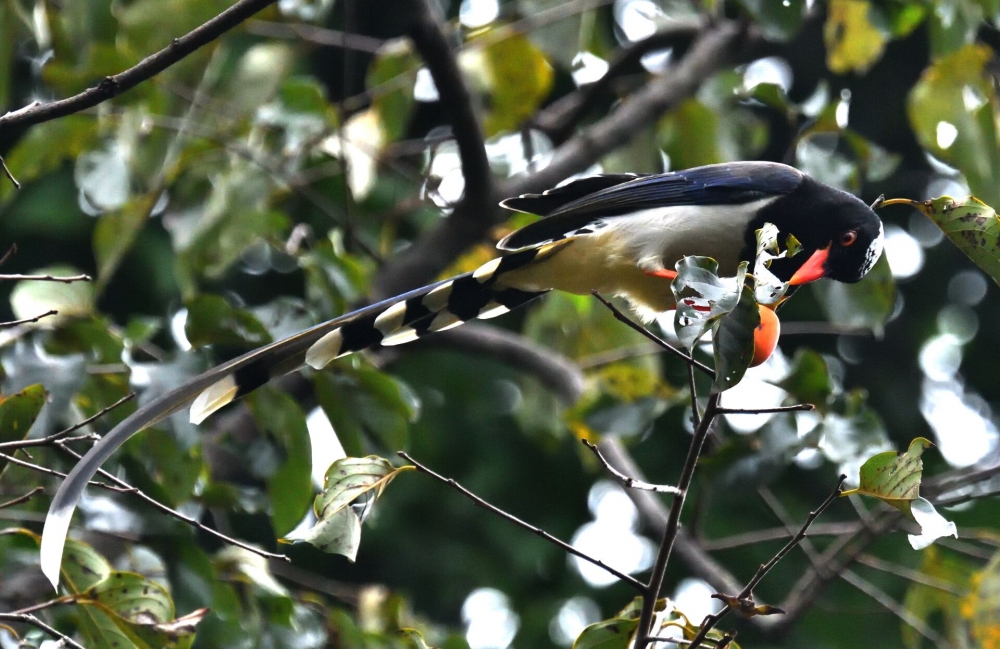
(615, 259)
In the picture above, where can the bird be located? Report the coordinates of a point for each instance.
(618, 234)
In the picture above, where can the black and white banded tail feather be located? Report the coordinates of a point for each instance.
(420, 312)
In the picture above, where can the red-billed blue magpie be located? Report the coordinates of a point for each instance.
(619, 234)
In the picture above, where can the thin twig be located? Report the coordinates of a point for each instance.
(801, 407)
(628, 579)
(621, 317)
(31, 620)
(58, 474)
(674, 521)
(22, 499)
(6, 172)
(775, 534)
(910, 574)
(112, 86)
(712, 620)
(316, 35)
(54, 437)
(34, 608)
(10, 253)
(627, 482)
(67, 279)
(895, 607)
(127, 488)
(14, 323)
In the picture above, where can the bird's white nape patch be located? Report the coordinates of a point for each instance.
(212, 398)
(391, 319)
(874, 250)
(486, 271)
(492, 310)
(324, 350)
(400, 337)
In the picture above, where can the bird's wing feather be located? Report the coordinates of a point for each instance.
(722, 184)
(551, 200)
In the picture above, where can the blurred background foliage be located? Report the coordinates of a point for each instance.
(261, 184)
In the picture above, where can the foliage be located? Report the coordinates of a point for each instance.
(265, 183)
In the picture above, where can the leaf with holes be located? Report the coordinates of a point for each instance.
(18, 412)
(970, 224)
(894, 477)
(702, 296)
(350, 477)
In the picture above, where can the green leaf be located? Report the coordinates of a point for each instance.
(132, 597)
(853, 43)
(393, 60)
(952, 109)
(894, 477)
(689, 134)
(733, 342)
(19, 411)
(809, 379)
(702, 296)
(290, 486)
(366, 402)
(116, 232)
(338, 533)
(777, 20)
(211, 320)
(516, 77)
(350, 477)
(864, 305)
(83, 567)
(609, 634)
(970, 224)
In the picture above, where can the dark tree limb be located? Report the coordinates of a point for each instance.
(112, 86)
(471, 217)
(717, 48)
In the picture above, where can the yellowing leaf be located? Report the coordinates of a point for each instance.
(952, 110)
(985, 605)
(894, 477)
(516, 77)
(971, 224)
(853, 44)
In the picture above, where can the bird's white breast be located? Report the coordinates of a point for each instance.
(615, 258)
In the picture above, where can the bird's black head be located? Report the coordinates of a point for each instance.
(841, 236)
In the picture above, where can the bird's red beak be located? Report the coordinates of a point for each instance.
(812, 270)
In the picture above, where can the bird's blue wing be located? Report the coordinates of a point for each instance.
(722, 184)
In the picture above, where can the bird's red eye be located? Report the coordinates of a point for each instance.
(848, 238)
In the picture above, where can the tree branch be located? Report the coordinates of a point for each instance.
(31, 620)
(627, 482)
(566, 547)
(112, 86)
(712, 620)
(471, 217)
(715, 49)
(674, 521)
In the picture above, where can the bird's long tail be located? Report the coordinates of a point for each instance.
(440, 306)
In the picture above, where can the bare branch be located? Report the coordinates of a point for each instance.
(801, 407)
(627, 482)
(776, 534)
(53, 438)
(6, 172)
(621, 317)
(67, 279)
(471, 217)
(628, 579)
(716, 48)
(14, 323)
(910, 574)
(316, 35)
(31, 620)
(23, 498)
(112, 86)
(673, 521)
(895, 607)
(712, 620)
